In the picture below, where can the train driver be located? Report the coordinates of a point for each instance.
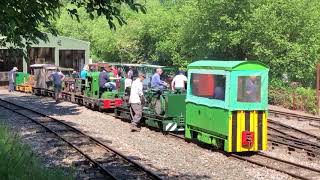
(156, 83)
(104, 81)
(251, 89)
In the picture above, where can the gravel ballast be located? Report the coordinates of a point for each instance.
(166, 155)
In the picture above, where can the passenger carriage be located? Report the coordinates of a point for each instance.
(226, 104)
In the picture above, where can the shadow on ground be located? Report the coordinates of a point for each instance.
(47, 146)
(35, 103)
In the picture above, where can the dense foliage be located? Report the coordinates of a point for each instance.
(283, 34)
(25, 20)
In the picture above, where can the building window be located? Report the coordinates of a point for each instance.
(41, 55)
(210, 86)
(10, 58)
(249, 89)
(72, 59)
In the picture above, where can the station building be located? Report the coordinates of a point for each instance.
(59, 50)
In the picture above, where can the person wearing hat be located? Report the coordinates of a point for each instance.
(136, 101)
(84, 72)
(12, 79)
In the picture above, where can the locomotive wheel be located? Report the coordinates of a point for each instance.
(157, 107)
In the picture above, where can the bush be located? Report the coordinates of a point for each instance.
(305, 98)
(18, 162)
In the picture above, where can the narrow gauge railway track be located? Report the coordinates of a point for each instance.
(283, 134)
(287, 167)
(110, 162)
(295, 138)
(291, 131)
(270, 162)
(313, 120)
(280, 137)
(293, 143)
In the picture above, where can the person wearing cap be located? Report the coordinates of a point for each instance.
(57, 78)
(12, 79)
(178, 81)
(84, 72)
(136, 101)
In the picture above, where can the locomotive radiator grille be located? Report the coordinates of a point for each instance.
(247, 123)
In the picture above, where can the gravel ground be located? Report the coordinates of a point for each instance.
(168, 156)
(294, 156)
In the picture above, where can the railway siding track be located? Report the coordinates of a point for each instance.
(282, 134)
(277, 164)
(113, 164)
(292, 143)
(289, 129)
(313, 120)
(290, 168)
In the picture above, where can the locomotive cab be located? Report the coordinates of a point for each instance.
(226, 104)
(95, 97)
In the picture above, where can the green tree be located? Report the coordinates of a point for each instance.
(283, 34)
(22, 20)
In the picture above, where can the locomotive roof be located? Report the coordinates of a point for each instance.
(42, 65)
(227, 65)
(50, 66)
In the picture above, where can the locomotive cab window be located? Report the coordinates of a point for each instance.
(210, 86)
(249, 89)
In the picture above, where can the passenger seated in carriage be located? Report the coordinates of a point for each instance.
(105, 83)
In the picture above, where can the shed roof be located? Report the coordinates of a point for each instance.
(227, 65)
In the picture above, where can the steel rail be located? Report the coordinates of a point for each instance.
(284, 170)
(299, 116)
(102, 169)
(137, 164)
(263, 164)
(293, 128)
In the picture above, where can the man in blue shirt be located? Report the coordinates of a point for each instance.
(156, 83)
(57, 78)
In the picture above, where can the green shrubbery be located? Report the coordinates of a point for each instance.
(18, 162)
(283, 94)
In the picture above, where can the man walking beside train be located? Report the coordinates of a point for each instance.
(57, 78)
(136, 101)
(12, 79)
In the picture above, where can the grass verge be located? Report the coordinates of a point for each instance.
(18, 162)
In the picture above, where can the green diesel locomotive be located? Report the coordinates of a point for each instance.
(227, 103)
(225, 106)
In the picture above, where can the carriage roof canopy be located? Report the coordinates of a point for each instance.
(227, 65)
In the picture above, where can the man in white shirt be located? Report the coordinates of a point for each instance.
(136, 100)
(178, 81)
(127, 83)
